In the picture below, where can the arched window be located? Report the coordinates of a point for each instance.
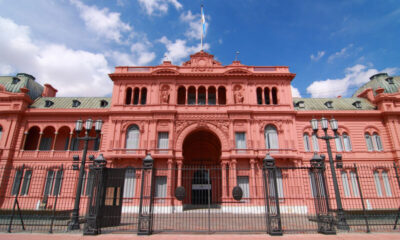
(259, 96)
(377, 141)
(62, 139)
(181, 95)
(346, 142)
(136, 96)
(274, 96)
(32, 139)
(128, 96)
(212, 96)
(306, 140)
(132, 137)
(221, 96)
(46, 141)
(192, 95)
(315, 142)
(201, 96)
(130, 183)
(143, 96)
(266, 96)
(271, 137)
(368, 140)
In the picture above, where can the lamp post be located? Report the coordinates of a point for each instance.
(341, 220)
(74, 224)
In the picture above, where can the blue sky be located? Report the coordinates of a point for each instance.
(332, 46)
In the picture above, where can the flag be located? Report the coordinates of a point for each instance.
(203, 21)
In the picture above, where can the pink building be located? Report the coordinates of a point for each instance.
(219, 121)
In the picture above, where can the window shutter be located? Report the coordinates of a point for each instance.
(368, 140)
(347, 142)
(378, 142)
(130, 183)
(338, 143)
(161, 187)
(315, 143)
(345, 182)
(306, 142)
(354, 184)
(132, 137)
(17, 182)
(386, 184)
(26, 183)
(45, 144)
(377, 184)
(57, 184)
(49, 182)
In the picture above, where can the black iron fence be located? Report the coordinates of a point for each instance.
(262, 197)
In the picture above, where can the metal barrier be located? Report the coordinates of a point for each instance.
(265, 197)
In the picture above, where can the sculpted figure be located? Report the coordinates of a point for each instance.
(164, 95)
(238, 94)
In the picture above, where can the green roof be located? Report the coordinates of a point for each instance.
(22, 80)
(67, 102)
(307, 104)
(380, 81)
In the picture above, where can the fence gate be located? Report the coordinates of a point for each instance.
(105, 206)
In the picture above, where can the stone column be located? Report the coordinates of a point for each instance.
(253, 188)
(223, 182)
(169, 180)
(54, 142)
(71, 134)
(40, 139)
(232, 176)
(179, 164)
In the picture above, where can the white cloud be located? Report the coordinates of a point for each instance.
(73, 72)
(195, 25)
(344, 52)
(354, 77)
(319, 55)
(158, 6)
(295, 92)
(178, 50)
(102, 22)
(140, 55)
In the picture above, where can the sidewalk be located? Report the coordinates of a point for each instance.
(344, 236)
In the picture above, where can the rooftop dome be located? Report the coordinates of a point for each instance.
(381, 80)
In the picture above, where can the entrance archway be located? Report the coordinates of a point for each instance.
(201, 173)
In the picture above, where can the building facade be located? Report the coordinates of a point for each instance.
(201, 115)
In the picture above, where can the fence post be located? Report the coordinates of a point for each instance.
(145, 222)
(273, 215)
(321, 200)
(398, 183)
(362, 198)
(93, 216)
(16, 204)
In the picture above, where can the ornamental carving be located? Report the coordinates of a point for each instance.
(238, 94)
(277, 123)
(201, 62)
(222, 125)
(164, 96)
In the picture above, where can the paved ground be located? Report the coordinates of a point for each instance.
(345, 236)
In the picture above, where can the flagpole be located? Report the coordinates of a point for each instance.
(201, 27)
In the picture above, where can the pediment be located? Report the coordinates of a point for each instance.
(165, 72)
(238, 71)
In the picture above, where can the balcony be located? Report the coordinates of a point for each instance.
(140, 153)
(49, 155)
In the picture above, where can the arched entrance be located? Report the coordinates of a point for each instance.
(201, 173)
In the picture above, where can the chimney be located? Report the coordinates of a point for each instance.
(49, 91)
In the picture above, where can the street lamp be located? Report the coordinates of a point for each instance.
(74, 224)
(341, 220)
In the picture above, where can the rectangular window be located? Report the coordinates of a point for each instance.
(130, 183)
(316, 182)
(161, 187)
(26, 183)
(279, 183)
(74, 144)
(17, 182)
(306, 142)
(240, 139)
(66, 143)
(162, 140)
(243, 183)
(89, 183)
(53, 182)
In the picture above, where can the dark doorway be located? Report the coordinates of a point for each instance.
(201, 187)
